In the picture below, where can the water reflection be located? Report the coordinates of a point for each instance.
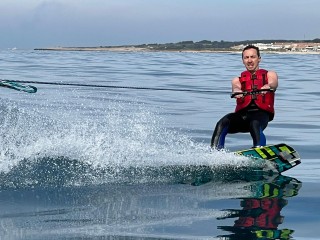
(260, 215)
(148, 211)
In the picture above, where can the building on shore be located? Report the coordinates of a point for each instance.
(285, 46)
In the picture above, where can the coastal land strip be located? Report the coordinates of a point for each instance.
(269, 46)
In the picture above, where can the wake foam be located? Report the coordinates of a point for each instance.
(99, 145)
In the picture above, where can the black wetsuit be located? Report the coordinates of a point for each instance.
(250, 119)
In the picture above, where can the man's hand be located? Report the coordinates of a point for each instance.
(267, 87)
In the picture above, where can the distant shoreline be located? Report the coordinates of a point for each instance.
(141, 49)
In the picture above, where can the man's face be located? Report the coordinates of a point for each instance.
(251, 60)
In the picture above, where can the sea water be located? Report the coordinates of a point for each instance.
(95, 162)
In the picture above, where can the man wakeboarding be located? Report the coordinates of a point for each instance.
(254, 93)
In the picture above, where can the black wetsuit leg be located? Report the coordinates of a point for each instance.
(245, 121)
(258, 122)
(230, 123)
(220, 132)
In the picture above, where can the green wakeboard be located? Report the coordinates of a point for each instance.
(282, 156)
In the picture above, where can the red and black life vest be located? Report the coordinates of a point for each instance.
(262, 213)
(250, 82)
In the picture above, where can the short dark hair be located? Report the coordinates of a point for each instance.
(250, 46)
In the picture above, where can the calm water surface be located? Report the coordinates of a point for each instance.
(79, 162)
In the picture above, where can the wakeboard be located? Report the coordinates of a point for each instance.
(281, 156)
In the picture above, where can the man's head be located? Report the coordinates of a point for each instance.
(251, 58)
(251, 47)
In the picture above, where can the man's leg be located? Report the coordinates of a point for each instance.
(259, 121)
(257, 134)
(222, 128)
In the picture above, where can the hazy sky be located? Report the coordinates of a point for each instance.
(48, 23)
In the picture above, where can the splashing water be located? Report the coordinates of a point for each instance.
(112, 145)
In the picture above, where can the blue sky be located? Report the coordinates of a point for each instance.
(49, 23)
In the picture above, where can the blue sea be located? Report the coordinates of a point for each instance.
(118, 153)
